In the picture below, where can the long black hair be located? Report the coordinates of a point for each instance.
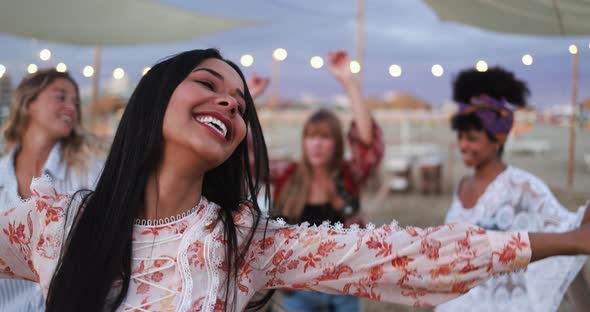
(95, 268)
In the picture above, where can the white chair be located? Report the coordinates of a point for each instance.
(398, 172)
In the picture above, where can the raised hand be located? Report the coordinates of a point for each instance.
(257, 85)
(339, 65)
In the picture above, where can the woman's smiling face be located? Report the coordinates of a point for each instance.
(205, 112)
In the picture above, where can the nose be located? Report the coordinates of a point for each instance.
(315, 142)
(229, 103)
(70, 106)
(462, 144)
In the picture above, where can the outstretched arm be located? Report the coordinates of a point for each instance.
(575, 242)
(16, 241)
(411, 266)
(32, 232)
(339, 66)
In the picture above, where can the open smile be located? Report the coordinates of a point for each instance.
(215, 122)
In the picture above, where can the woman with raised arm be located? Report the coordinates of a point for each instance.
(170, 226)
(324, 185)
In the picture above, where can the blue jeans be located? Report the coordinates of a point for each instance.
(303, 301)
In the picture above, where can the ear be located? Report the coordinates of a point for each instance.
(27, 108)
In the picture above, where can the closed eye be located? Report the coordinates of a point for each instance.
(206, 84)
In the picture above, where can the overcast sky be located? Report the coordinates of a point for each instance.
(407, 33)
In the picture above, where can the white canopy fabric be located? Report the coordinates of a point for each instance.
(531, 17)
(535, 17)
(103, 23)
(107, 22)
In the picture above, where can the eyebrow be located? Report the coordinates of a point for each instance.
(218, 75)
(62, 91)
(211, 71)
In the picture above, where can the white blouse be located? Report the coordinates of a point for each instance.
(517, 200)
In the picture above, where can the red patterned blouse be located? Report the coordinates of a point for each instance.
(178, 266)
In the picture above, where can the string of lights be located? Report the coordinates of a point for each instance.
(280, 55)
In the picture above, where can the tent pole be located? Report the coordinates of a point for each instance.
(96, 76)
(275, 96)
(360, 39)
(570, 167)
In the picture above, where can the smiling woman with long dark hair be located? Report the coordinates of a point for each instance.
(171, 225)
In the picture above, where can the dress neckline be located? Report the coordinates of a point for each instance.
(485, 192)
(198, 208)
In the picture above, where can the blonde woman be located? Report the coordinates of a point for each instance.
(324, 185)
(43, 136)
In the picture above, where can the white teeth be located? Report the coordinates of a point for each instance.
(67, 119)
(216, 124)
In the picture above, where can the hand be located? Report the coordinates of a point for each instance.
(339, 65)
(257, 85)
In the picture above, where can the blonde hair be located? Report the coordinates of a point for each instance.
(75, 150)
(292, 198)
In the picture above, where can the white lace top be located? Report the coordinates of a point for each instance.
(178, 266)
(517, 200)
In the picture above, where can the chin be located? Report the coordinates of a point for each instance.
(213, 156)
(318, 164)
(469, 163)
(62, 135)
(62, 132)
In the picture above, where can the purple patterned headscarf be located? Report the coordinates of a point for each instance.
(497, 117)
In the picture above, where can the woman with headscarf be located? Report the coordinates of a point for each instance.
(498, 196)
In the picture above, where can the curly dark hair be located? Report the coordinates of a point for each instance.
(496, 82)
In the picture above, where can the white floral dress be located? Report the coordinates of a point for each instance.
(518, 201)
(178, 266)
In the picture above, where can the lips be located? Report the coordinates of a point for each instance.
(67, 118)
(216, 122)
